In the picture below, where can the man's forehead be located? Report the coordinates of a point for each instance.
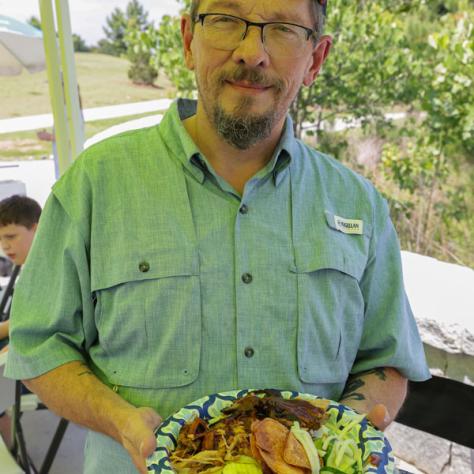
(273, 7)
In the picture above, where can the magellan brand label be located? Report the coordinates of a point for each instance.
(349, 226)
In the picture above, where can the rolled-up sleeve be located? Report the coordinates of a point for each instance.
(52, 310)
(390, 336)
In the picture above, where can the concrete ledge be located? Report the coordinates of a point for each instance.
(429, 454)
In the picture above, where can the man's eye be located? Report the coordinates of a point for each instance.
(223, 21)
(285, 31)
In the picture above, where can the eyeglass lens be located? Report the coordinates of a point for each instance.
(280, 39)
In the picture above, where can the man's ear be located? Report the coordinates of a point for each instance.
(320, 54)
(187, 35)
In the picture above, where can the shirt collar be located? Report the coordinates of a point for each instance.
(182, 146)
(187, 152)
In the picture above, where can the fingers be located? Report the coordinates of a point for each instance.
(379, 416)
(138, 437)
(148, 446)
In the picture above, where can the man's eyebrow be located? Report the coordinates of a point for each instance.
(277, 15)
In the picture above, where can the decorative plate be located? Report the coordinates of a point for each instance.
(369, 439)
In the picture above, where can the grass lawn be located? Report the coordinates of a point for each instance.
(102, 80)
(26, 146)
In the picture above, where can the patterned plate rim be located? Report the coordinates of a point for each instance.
(206, 407)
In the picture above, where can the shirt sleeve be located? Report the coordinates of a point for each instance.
(52, 309)
(390, 336)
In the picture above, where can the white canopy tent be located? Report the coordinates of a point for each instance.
(63, 87)
(21, 46)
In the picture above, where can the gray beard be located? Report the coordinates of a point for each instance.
(242, 130)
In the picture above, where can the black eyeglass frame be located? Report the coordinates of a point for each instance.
(310, 33)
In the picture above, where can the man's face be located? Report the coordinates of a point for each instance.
(247, 85)
(16, 241)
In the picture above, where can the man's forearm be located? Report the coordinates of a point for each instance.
(384, 386)
(72, 391)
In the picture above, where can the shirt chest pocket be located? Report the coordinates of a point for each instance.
(330, 306)
(148, 318)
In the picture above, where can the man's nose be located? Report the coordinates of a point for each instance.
(251, 49)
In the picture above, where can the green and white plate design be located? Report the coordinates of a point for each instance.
(367, 437)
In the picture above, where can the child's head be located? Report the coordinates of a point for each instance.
(19, 216)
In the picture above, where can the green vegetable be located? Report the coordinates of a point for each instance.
(245, 465)
(307, 442)
(337, 446)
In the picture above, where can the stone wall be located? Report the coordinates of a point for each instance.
(442, 298)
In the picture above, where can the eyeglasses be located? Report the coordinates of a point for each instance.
(280, 39)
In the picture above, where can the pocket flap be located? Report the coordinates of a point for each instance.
(144, 265)
(334, 257)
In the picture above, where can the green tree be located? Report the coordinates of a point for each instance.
(118, 24)
(449, 99)
(141, 51)
(115, 30)
(368, 69)
(79, 44)
(431, 209)
(169, 58)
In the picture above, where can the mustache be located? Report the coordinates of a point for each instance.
(254, 76)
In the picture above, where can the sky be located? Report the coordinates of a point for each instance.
(88, 16)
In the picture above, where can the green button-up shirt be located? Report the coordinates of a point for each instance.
(171, 285)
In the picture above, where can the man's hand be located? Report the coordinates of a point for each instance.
(378, 415)
(73, 392)
(378, 393)
(138, 436)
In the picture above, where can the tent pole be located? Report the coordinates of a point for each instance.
(56, 88)
(73, 107)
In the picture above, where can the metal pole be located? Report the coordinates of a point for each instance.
(73, 108)
(56, 88)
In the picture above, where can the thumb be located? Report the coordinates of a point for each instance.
(148, 446)
(379, 416)
(152, 420)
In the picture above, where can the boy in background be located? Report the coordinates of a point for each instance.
(19, 216)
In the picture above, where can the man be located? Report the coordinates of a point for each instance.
(19, 216)
(215, 252)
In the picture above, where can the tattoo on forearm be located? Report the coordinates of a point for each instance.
(86, 371)
(350, 392)
(356, 383)
(379, 373)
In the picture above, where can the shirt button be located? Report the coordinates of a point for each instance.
(144, 267)
(244, 209)
(247, 278)
(249, 352)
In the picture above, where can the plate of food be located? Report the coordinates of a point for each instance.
(269, 431)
